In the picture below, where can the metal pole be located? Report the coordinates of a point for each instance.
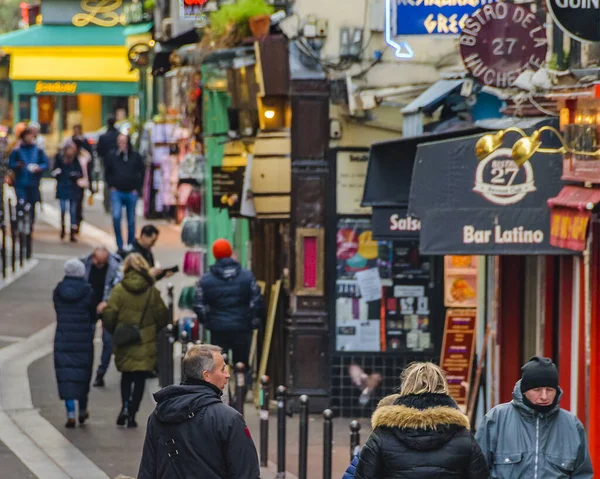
(3, 251)
(21, 230)
(281, 404)
(165, 371)
(264, 420)
(13, 235)
(240, 387)
(327, 442)
(354, 439)
(303, 446)
(28, 229)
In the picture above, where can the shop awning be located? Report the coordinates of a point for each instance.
(139, 29)
(63, 35)
(433, 97)
(488, 207)
(106, 88)
(570, 216)
(387, 185)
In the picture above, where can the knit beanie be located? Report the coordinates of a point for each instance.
(222, 249)
(74, 268)
(539, 373)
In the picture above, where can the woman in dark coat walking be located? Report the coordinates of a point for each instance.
(73, 342)
(67, 171)
(422, 434)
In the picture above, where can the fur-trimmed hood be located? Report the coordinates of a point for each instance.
(423, 422)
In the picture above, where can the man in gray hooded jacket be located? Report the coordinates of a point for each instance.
(532, 437)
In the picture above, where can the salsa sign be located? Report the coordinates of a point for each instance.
(500, 41)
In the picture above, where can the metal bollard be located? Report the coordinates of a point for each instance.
(354, 439)
(21, 232)
(303, 446)
(327, 443)
(240, 387)
(281, 405)
(28, 230)
(264, 420)
(13, 235)
(3, 251)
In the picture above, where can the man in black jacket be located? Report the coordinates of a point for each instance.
(192, 433)
(107, 143)
(124, 172)
(229, 303)
(143, 245)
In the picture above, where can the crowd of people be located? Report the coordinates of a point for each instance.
(73, 168)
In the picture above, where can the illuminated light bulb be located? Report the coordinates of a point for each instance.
(269, 114)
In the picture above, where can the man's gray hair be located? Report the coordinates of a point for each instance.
(199, 358)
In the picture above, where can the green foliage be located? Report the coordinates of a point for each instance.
(149, 6)
(563, 65)
(238, 14)
(10, 14)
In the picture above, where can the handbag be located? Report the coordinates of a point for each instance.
(187, 297)
(193, 231)
(194, 202)
(128, 334)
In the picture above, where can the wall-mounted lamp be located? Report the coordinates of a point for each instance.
(269, 114)
(489, 143)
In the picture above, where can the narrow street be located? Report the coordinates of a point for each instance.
(33, 439)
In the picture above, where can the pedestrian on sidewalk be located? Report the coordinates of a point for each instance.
(103, 273)
(143, 245)
(81, 141)
(124, 173)
(85, 182)
(73, 342)
(134, 314)
(423, 434)
(28, 162)
(107, 143)
(67, 171)
(192, 433)
(531, 436)
(229, 303)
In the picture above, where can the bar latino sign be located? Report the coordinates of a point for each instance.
(500, 41)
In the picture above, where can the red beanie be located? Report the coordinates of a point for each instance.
(222, 249)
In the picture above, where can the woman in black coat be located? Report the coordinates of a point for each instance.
(422, 434)
(73, 342)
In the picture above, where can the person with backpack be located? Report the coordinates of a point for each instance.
(192, 433)
(28, 162)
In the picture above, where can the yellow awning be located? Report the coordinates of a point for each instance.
(99, 64)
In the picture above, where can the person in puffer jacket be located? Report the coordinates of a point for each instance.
(531, 436)
(229, 303)
(422, 434)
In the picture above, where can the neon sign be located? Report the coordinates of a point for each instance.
(403, 49)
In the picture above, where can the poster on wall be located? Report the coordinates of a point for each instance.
(460, 281)
(351, 174)
(458, 348)
(363, 265)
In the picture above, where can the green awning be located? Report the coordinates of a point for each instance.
(131, 30)
(27, 87)
(65, 35)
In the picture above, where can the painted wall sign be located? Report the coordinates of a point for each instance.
(577, 18)
(350, 182)
(500, 41)
(103, 13)
(55, 87)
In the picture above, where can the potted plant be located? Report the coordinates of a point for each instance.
(242, 16)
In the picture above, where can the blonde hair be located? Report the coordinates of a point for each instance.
(421, 378)
(136, 262)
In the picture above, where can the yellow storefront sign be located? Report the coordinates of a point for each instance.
(99, 12)
(55, 87)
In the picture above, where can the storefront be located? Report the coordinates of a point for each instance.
(72, 69)
(526, 295)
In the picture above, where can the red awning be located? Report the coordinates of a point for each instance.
(576, 197)
(571, 211)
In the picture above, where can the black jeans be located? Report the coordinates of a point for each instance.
(238, 342)
(132, 389)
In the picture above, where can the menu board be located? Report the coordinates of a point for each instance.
(458, 348)
(460, 281)
(227, 185)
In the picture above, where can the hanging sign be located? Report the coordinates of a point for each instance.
(227, 185)
(500, 41)
(458, 348)
(577, 18)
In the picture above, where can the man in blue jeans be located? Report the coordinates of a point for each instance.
(124, 173)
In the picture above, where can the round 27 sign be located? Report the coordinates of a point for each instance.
(500, 41)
